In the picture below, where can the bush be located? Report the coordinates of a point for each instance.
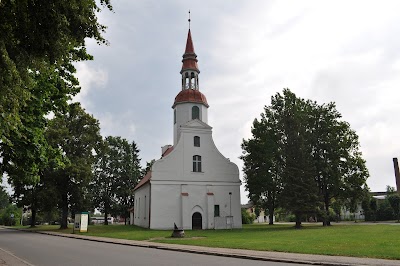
(5, 215)
(247, 218)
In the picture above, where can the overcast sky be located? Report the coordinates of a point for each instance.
(347, 52)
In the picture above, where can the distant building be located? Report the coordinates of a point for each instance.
(262, 216)
(193, 185)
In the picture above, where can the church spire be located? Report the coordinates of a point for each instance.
(190, 103)
(190, 70)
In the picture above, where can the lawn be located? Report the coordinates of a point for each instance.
(358, 240)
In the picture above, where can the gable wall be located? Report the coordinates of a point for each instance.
(178, 165)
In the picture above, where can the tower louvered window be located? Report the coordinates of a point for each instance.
(195, 112)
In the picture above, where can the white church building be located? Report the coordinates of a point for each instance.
(193, 185)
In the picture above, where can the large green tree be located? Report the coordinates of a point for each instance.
(76, 135)
(305, 154)
(299, 194)
(130, 178)
(29, 155)
(263, 162)
(340, 171)
(39, 41)
(116, 173)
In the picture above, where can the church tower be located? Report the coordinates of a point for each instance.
(190, 103)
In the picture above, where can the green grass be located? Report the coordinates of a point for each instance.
(358, 240)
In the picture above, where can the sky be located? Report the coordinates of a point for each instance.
(345, 52)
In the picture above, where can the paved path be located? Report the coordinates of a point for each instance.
(245, 254)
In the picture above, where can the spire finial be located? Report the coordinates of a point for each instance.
(189, 19)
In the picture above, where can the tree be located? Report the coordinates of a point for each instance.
(4, 198)
(394, 200)
(373, 206)
(263, 162)
(130, 177)
(76, 135)
(38, 43)
(302, 157)
(116, 173)
(299, 193)
(148, 167)
(340, 171)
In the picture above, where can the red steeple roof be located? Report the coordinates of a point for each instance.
(189, 44)
(189, 57)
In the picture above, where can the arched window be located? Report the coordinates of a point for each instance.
(196, 163)
(195, 112)
(196, 141)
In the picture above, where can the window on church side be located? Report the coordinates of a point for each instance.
(145, 207)
(175, 116)
(195, 112)
(196, 141)
(196, 163)
(216, 210)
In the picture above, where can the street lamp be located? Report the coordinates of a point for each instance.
(230, 204)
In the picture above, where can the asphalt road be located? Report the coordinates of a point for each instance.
(24, 248)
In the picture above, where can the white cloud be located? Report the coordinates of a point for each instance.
(89, 77)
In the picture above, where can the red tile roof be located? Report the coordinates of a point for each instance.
(168, 151)
(189, 44)
(144, 180)
(190, 96)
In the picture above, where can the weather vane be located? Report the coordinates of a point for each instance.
(189, 19)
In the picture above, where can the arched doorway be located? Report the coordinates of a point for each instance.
(197, 221)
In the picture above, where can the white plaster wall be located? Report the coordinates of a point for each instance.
(178, 165)
(142, 206)
(173, 175)
(228, 204)
(165, 206)
(176, 203)
(184, 115)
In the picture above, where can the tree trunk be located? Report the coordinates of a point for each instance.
(298, 221)
(326, 221)
(105, 216)
(271, 216)
(64, 214)
(33, 217)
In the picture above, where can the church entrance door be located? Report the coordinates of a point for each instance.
(197, 221)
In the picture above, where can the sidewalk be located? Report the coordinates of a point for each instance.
(8, 259)
(240, 253)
